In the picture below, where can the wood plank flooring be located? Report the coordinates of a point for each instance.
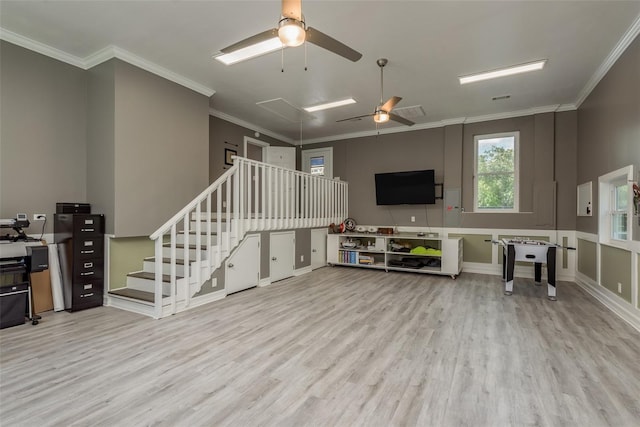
(336, 347)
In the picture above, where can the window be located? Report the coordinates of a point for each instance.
(615, 206)
(619, 211)
(496, 173)
(317, 165)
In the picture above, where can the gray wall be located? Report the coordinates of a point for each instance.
(547, 168)
(43, 153)
(161, 149)
(609, 129)
(566, 169)
(132, 144)
(101, 141)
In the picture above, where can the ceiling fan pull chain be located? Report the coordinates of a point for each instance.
(282, 59)
(305, 56)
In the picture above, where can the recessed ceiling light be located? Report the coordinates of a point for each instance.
(516, 69)
(249, 52)
(328, 105)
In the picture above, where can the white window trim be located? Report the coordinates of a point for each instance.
(606, 184)
(328, 164)
(516, 178)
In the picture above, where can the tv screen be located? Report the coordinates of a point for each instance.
(406, 188)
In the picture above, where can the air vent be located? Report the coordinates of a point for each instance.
(286, 110)
(501, 97)
(410, 112)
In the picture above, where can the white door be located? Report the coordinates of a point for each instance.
(281, 156)
(318, 161)
(281, 196)
(243, 266)
(282, 255)
(318, 248)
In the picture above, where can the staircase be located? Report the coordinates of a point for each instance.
(249, 197)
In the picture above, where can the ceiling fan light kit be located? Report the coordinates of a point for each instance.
(291, 32)
(381, 117)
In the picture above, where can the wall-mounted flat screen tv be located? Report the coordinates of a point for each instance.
(406, 188)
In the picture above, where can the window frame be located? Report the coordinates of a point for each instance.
(516, 171)
(607, 185)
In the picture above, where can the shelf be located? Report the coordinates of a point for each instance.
(418, 255)
(448, 261)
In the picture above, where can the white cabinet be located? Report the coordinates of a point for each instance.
(398, 252)
(282, 255)
(243, 266)
(318, 248)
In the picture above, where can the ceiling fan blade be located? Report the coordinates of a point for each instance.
(292, 9)
(388, 106)
(354, 118)
(400, 119)
(326, 42)
(263, 36)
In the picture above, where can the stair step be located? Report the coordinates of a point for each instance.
(168, 260)
(202, 232)
(203, 246)
(151, 276)
(135, 294)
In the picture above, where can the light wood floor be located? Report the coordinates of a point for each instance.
(339, 346)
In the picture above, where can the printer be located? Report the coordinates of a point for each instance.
(20, 255)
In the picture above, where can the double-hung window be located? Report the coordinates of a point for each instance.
(615, 202)
(619, 209)
(496, 172)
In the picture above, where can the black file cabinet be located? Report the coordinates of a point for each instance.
(80, 242)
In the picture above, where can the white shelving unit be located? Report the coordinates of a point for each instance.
(397, 252)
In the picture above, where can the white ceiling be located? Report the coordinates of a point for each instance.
(428, 44)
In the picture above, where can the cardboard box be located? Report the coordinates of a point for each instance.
(41, 291)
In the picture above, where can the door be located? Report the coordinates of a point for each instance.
(243, 266)
(282, 255)
(281, 194)
(284, 157)
(318, 161)
(318, 248)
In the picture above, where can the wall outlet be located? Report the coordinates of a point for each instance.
(413, 219)
(39, 217)
(619, 287)
(301, 258)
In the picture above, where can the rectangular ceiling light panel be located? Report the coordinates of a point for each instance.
(516, 69)
(249, 52)
(328, 105)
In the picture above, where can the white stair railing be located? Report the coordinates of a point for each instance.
(250, 196)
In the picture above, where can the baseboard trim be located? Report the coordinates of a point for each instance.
(620, 307)
(206, 299)
(265, 281)
(301, 271)
(526, 272)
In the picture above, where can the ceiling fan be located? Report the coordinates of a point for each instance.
(382, 113)
(293, 31)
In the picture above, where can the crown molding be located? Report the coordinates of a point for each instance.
(245, 124)
(41, 48)
(511, 114)
(156, 69)
(613, 56)
(448, 122)
(101, 56)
